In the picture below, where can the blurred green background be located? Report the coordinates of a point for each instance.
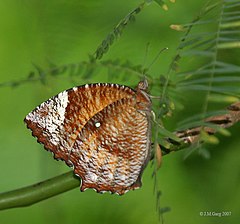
(60, 31)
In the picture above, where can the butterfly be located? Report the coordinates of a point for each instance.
(101, 130)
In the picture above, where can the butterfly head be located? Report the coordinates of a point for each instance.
(143, 85)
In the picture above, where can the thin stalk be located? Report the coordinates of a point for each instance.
(32, 194)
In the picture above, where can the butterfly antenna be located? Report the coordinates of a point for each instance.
(156, 57)
(153, 61)
(144, 62)
(145, 55)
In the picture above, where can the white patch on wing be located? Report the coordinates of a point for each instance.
(50, 116)
(97, 124)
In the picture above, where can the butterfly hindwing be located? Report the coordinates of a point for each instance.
(112, 148)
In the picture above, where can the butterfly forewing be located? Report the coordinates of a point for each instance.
(57, 122)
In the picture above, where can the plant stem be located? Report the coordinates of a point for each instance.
(37, 192)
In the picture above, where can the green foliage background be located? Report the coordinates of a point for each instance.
(61, 32)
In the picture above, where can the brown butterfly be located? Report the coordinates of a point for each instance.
(102, 130)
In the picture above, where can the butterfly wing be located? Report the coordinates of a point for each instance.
(57, 121)
(113, 148)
